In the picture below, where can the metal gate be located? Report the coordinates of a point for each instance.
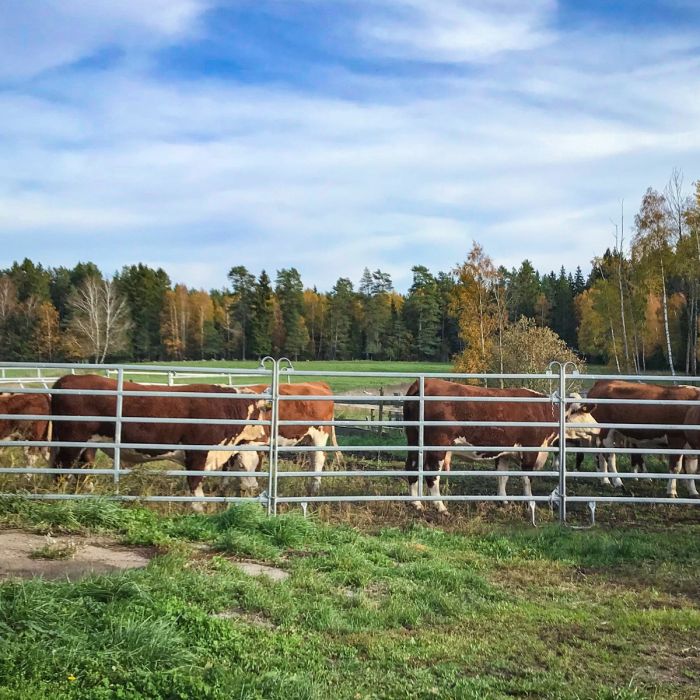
(38, 378)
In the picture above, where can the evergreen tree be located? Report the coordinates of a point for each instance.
(243, 288)
(144, 289)
(262, 317)
(423, 314)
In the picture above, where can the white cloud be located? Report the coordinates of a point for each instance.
(529, 158)
(39, 36)
(457, 30)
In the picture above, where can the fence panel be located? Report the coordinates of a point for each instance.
(38, 378)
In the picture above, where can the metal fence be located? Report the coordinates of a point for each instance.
(38, 378)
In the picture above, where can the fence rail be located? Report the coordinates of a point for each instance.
(272, 372)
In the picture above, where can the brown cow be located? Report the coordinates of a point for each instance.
(295, 435)
(175, 407)
(510, 438)
(23, 429)
(644, 414)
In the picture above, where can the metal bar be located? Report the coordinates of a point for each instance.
(341, 499)
(421, 433)
(92, 471)
(118, 428)
(663, 476)
(274, 418)
(426, 472)
(562, 443)
(635, 499)
(165, 447)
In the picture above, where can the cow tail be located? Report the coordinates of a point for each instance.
(339, 459)
(49, 452)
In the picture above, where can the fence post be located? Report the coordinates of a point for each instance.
(118, 427)
(272, 455)
(421, 433)
(562, 443)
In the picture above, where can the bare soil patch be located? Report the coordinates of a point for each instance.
(91, 556)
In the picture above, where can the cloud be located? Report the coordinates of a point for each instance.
(124, 163)
(36, 37)
(454, 30)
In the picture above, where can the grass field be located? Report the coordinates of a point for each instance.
(480, 609)
(338, 384)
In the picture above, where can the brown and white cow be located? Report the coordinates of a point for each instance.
(295, 435)
(510, 438)
(642, 415)
(26, 429)
(175, 407)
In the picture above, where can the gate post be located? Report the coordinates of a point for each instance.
(118, 426)
(421, 434)
(562, 443)
(274, 427)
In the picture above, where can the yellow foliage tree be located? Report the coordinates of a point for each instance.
(475, 303)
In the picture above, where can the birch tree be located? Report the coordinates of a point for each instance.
(99, 320)
(652, 249)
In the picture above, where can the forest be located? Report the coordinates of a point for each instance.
(636, 309)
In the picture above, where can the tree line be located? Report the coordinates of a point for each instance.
(637, 309)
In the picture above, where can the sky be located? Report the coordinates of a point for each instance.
(333, 135)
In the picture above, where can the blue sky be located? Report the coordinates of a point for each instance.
(333, 135)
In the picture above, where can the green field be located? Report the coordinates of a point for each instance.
(338, 384)
(468, 609)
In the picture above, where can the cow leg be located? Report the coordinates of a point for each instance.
(433, 483)
(247, 461)
(675, 464)
(691, 467)
(319, 438)
(195, 460)
(412, 465)
(610, 460)
(502, 465)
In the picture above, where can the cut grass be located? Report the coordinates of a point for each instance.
(484, 611)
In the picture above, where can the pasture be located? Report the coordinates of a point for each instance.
(374, 600)
(473, 608)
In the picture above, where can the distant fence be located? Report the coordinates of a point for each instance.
(24, 377)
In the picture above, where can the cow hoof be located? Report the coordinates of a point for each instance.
(605, 481)
(443, 511)
(417, 506)
(617, 483)
(197, 507)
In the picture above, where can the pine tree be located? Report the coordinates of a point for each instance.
(262, 317)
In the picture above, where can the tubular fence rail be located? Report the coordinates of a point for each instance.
(38, 378)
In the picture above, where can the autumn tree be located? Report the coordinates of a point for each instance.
(474, 305)
(652, 249)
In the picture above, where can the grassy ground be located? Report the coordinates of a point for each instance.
(484, 610)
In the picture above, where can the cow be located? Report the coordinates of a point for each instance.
(175, 407)
(23, 428)
(295, 435)
(642, 415)
(510, 438)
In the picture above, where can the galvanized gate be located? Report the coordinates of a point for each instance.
(38, 378)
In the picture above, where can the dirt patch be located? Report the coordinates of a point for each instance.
(88, 556)
(255, 569)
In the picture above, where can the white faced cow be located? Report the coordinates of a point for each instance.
(509, 438)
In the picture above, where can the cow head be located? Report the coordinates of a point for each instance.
(578, 412)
